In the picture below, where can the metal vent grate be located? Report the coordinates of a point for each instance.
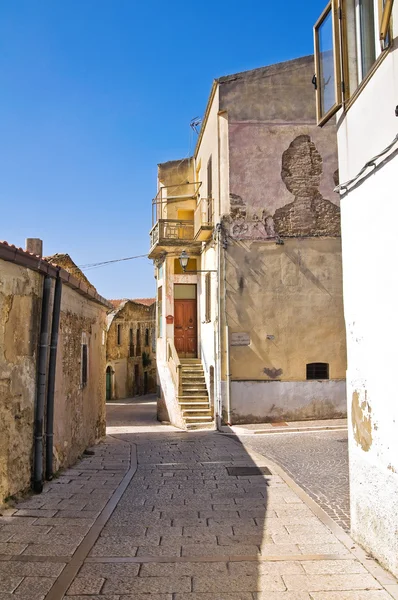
(318, 371)
(248, 471)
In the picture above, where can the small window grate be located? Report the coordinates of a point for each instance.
(318, 371)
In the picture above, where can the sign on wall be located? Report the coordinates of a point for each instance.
(240, 339)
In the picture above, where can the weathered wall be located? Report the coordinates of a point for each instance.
(283, 168)
(136, 317)
(79, 411)
(369, 217)
(288, 300)
(20, 304)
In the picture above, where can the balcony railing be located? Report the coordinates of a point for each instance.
(169, 230)
(203, 219)
(171, 194)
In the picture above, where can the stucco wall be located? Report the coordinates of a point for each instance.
(288, 300)
(20, 302)
(79, 411)
(369, 216)
(256, 401)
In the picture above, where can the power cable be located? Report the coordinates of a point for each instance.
(343, 187)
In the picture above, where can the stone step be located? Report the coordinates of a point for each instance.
(191, 411)
(187, 404)
(199, 425)
(203, 419)
(194, 388)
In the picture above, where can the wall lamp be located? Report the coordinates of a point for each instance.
(184, 258)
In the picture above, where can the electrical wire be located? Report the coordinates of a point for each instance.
(90, 266)
(342, 187)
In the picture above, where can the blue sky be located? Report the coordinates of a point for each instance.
(95, 93)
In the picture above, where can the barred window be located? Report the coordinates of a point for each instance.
(318, 371)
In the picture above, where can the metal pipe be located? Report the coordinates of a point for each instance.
(51, 377)
(41, 387)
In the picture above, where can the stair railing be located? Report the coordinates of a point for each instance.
(174, 366)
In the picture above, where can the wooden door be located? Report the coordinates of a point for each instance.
(185, 328)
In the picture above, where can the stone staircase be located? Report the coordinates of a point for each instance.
(194, 401)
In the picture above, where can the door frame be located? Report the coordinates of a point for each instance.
(195, 302)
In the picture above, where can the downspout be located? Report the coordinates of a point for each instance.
(51, 377)
(41, 387)
(228, 373)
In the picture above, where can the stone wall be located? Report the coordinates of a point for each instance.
(20, 305)
(79, 410)
(125, 362)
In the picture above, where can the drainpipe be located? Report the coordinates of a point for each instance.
(51, 377)
(228, 370)
(41, 387)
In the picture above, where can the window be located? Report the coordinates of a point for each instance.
(146, 337)
(119, 334)
(327, 79)
(318, 371)
(138, 342)
(347, 46)
(84, 373)
(131, 344)
(207, 298)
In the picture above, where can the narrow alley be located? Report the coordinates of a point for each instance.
(160, 514)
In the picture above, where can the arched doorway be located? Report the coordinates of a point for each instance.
(108, 383)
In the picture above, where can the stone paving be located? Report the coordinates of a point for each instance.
(318, 462)
(157, 516)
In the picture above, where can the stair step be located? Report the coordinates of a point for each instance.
(192, 426)
(203, 419)
(198, 404)
(196, 410)
(189, 398)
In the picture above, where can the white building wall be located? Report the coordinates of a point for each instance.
(370, 252)
(209, 146)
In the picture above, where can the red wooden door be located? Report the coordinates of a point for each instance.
(185, 328)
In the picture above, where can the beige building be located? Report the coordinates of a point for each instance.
(52, 400)
(253, 330)
(130, 350)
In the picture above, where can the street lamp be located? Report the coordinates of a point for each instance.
(184, 258)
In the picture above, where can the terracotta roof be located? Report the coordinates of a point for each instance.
(145, 301)
(117, 303)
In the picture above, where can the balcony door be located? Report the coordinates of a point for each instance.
(185, 320)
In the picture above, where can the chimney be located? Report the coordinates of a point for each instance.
(35, 246)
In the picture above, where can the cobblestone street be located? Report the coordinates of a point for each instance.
(318, 462)
(161, 514)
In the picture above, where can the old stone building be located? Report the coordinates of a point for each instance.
(252, 329)
(52, 400)
(130, 353)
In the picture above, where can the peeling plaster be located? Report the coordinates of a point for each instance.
(361, 421)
